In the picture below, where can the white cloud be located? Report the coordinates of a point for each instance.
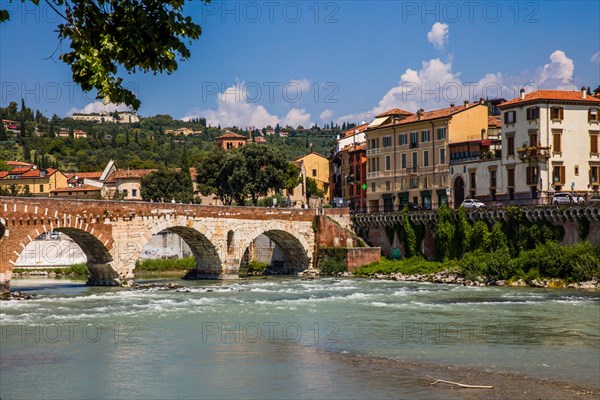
(596, 57)
(326, 115)
(302, 84)
(558, 74)
(97, 107)
(438, 36)
(236, 107)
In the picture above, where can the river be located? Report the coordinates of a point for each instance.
(294, 338)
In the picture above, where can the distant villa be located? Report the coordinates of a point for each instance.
(125, 117)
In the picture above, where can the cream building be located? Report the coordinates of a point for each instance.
(317, 168)
(550, 144)
(408, 154)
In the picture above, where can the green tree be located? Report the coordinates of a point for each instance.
(106, 36)
(3, 136)
(312, 189)
(445, 232)
(168, 185)
(265, 169)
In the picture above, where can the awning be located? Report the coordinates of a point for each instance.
(378, 121)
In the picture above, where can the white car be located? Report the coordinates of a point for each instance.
(562, 198)
(472, 203)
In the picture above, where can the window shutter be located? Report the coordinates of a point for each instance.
(528, 175)
(562, 175)
(589, 114)
(557, 143)
(506, 117)
(561, 113)
(594, 143)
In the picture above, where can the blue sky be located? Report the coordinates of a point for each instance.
(262, 62)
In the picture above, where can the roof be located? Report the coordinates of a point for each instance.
(36, 173)
(86, 175)
(494, 121)
(434, 114)
(393, 111)
(19, 163)
(306, 155)
(129, 174)
(551, 95)
(353, 131)
(3, 174)
(232, 135)
(20, 170)
(81, 188)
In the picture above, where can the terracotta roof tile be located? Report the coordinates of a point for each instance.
(130, 174)
(352, 131)
(232, 135)
(552, 95)
(494, 121)
(434, 114)
(3, 174)
(394, 111)
(81, 188)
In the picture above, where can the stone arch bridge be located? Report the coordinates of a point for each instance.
(113, 234)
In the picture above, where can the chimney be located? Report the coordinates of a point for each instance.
(451, 105)
(481, 100)
(466, 103)
(522, 94)
(583, 92)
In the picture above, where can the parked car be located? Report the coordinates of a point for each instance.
(595, 199)
(472, 203)
(578, 199)
(562, 198)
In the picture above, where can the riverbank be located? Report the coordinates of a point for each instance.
(505, 385)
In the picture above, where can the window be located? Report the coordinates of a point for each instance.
(493, 178)
(558, 175)
(532, 175)
(576, 170)
(41, 188)
(134, 192)
(594, 142)
(556, 141)
(402, 139)
(533, 137)
(593, 115)
(426, 158)
(373, 187)
(425, 136)
(510, 146)
(533, 113)
(442, 156)
(510, 173)
(510, 117)
(556, 113)
(441, 133)
(414, 182)
(388, 163)
(426, 182)
(594, 169)
(387, 141)
(472, 180)
(414, 140)
(414, 162)
(403, 160)
(387, 185)
(351, 190)
(314, 172)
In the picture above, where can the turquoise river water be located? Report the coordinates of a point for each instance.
(287, 338)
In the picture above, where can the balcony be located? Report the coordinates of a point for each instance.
(372, 152)
(533, 153)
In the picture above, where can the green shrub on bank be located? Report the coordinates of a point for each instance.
(171, 264)
(332, 266)
(73, 270)
(578, 262)
(406, 266)
(257, 267)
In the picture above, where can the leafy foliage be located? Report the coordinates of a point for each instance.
(168, 185)
(171, 264)
(406, 266)
(108, 35)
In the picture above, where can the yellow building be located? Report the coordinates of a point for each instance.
(408, 157)
(317, 168)
(30, 179)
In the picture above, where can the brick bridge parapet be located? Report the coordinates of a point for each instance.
(113, 234)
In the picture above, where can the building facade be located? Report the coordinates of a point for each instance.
(317, 168)
(550, 144)
(408, 154)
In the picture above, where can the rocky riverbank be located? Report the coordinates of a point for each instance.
(456, 278)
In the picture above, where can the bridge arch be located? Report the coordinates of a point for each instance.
(199, 239)
(295, 247)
